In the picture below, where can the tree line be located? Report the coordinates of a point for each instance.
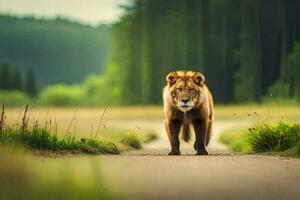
(58, 50)
(246, 49)
(11, 79)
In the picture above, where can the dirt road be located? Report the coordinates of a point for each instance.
(151, 174)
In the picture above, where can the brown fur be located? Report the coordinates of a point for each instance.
(188, 101)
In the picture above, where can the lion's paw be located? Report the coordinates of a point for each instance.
(202, 152)
(174, 153)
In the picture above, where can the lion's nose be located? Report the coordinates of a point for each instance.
(185, 100)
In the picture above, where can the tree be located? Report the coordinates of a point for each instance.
(30, 86)
(240, 46)
(5, 77)
(17, 80)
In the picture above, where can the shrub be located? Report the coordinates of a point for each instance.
(61, 95)
(99, 90)
(278, 93)
(13, 98)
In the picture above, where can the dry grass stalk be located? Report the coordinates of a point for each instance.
(25, 120)
(101, 119)
(70, 124)
(2, 118)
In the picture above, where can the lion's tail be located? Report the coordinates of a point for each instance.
(186, 133)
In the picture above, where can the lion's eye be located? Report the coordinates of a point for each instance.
(179, 89)
(191, 90)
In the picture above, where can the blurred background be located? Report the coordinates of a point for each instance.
(65, 53)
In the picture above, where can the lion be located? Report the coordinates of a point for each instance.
(188, 101)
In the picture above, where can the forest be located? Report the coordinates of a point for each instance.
(247, 49)
(249, 52)
(57, 50)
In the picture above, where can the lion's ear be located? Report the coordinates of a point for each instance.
(198, 78)
(172, 78)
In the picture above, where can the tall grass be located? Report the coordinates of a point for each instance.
(45, 138)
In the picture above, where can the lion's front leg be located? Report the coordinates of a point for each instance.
(173, 129)
(200, 127)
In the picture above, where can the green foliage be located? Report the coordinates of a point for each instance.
(279, 89)
(282, 139)
(150, 136)
(43, 139)
(30, 85)
(61, 95)
(243, 83)
(58, 50)
(5, 77)
(232, 42)
(13, 98)
(274, 138)
(102, 89)
(96, 90)
(294, 71)
(236, 140)
(278, 93)
(17, 80)
(132, 139)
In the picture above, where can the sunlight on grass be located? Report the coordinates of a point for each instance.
(281, 138)
(49, 138)
(236, 140)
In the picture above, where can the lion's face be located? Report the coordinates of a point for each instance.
(186, 88)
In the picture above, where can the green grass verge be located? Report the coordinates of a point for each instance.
(236, 140)
(43, 139)
(280, 139)
(46, 138)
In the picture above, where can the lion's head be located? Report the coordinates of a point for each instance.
(186, 89)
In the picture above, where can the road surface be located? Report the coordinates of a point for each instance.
(151, 174)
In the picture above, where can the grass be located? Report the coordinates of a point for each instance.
(42, 139)
(236, 140)
(150, 136)
(280, 139)
(24, 176)
(46, 138)
(132, 140)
